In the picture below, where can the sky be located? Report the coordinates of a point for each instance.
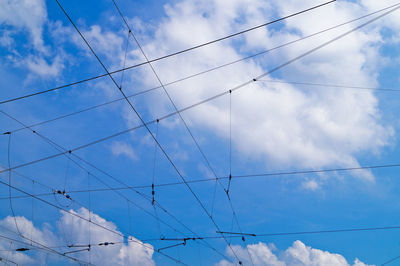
(333, 108)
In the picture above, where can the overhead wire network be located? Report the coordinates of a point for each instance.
(58, 147)
(255, 79)
(231, 63)
(207, 161)
(235, 88)
(69, 150)
(184, 181)
(168, 157)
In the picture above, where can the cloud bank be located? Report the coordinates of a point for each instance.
(73, 230)
(296, 255)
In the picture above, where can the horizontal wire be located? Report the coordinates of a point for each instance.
(244, 176)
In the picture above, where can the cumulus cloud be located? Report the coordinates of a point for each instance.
(42, 235)
(284, 125)
(74, 230)
(296, 255)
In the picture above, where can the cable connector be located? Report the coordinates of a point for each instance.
(106, 243)
(63, 193)
(22, 249)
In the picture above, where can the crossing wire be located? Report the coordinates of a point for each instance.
(313, 49)
(42, 247)
(222, 66)
(207, 99)
(167, 56)
(58, 147)
(180, 116)
(358, 168)
(85, 219)
(347, 230)
(147, 128)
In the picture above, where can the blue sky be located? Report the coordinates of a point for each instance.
(275, 127)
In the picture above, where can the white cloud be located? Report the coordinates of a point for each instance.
(132, 253)
(28, 15)
(76, 230)
(39, 66)
(121, 148)
(280, 124)
(103, 42)
(310, 185)
(43, 236)
(297, 255)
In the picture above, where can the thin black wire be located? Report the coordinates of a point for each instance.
(58, 147)
(66, 175)
(218, 67)
(152, 183)
(210, 98)
(234, 216)
(32, 202)
(154, 167)
(9, 182)
(90, 219)
(230, 143)
(165, 56)
(126, 52)
(10, 251)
